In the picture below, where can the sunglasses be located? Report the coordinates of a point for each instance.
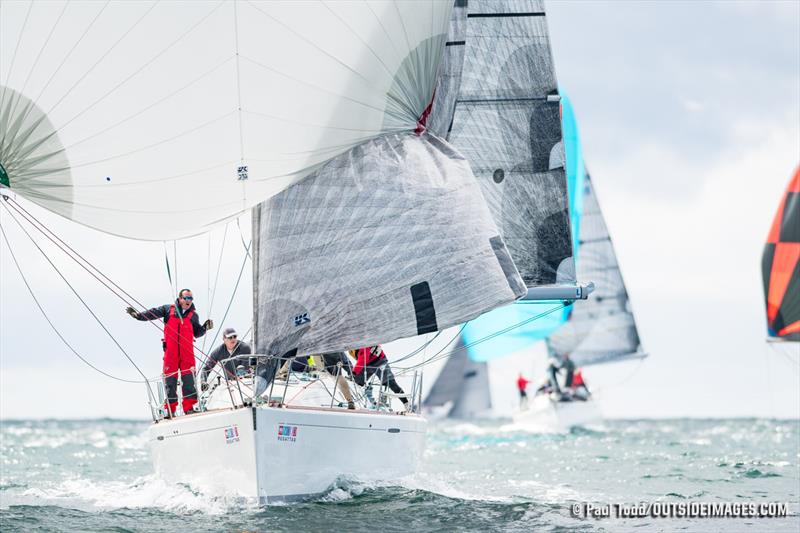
(231, 337)
(187, 298)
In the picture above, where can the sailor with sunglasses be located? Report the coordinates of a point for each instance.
(181, 327)
(223, 354)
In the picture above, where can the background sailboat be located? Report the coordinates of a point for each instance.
(465, 383)
(780, 267)
(601, 329)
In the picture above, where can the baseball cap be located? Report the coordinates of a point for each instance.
(228, 332)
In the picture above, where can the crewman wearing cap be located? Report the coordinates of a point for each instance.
(231, 347)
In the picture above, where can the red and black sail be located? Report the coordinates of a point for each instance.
(780, 266)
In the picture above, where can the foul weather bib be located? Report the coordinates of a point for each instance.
(179, 344)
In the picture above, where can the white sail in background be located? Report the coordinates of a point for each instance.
(601, 329)
(156, 120)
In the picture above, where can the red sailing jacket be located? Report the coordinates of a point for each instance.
(577, 379)
(522, 383)
(367, 356)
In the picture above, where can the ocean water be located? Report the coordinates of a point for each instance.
(96, 475)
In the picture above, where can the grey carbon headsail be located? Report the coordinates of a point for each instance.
(462, 388)
(389, 240)
(508, 126)
(601, 329)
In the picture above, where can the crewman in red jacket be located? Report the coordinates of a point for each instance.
(522, 384)
(181, 327)
(371, 360)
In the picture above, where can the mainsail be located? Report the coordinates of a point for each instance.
(156, 120)
(602, 328)
(534, 321)
(780, 266)
(507, 125)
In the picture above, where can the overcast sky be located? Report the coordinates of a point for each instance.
(690, 119)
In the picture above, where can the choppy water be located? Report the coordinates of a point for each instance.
(97, 476)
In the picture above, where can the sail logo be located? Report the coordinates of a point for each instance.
(287, 433)
(231, 434)
(299, 320)
(242, 172)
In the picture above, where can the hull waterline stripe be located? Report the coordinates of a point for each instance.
(390, 430)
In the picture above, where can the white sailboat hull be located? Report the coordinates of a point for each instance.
(277, 454)
(546, 414)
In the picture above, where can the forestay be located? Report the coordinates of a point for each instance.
(602, 328)
(156, 120)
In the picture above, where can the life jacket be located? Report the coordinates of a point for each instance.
(577, 379)
(522, 383)
(367, 356)
(179, 339)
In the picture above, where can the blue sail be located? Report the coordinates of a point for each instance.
(484, 337)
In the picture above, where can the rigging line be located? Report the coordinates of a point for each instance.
(624, 380)
(110, 49)
(97, 319)
(175, 257)
(149, 107)
(66, 57)
(371, 132)
(14, 57)
(50, 322)
(365, 43)
(157, 143)
(437, 357)
(137, 183)
(314, 45)
(36, 62)
(241, 236)
(219, 268)
(209, 295)
(230, 302)
(312, 86)
(140, 69)
(169, 272)
(71, 253)
(420, 348)
(238, 78)
(208, 278)
(386, 33)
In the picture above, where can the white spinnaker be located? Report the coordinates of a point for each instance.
(136, 118)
